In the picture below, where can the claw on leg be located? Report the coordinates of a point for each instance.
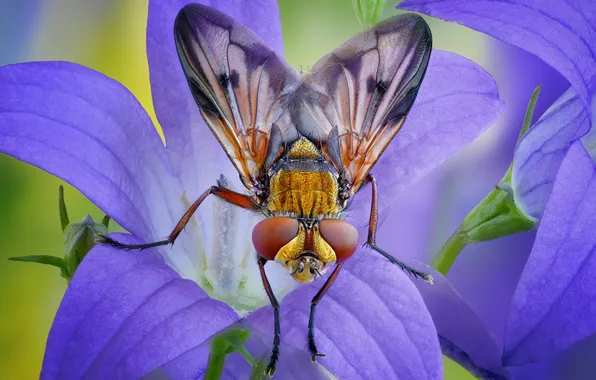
(313, 356)
(411, 271)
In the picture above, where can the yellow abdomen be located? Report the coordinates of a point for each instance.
(304, 193)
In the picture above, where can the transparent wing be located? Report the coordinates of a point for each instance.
(241, 86)
(356, 98)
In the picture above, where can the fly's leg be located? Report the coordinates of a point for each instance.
(311, 321)
(372, 232)
(227, 195)
(270, 370)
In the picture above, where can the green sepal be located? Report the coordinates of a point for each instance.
(496, 216)
(258, 370)
(64, 221)
(529, 112)
(368, 12)
(55, 261)
(106, 221)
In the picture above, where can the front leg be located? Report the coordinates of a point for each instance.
(372, 232)
(312, 347)
(270, 370)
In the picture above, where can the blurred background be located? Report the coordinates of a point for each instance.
(109, 36)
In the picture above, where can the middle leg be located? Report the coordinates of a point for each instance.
(372, 233)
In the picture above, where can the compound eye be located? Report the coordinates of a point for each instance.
(341, 236)
(270, 235)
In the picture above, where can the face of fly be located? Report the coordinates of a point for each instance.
(305, 247)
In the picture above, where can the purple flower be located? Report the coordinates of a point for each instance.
(561, 33)
(553, 175)
(553, 307)
(541, 150)
(128, 314)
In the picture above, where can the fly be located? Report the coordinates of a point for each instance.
(302, 145)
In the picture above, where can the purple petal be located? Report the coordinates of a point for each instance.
(560, 32)
(372, 323)
(553, 305)
(294, 364)
(191, 144)
(589, 141)
(126, 314)
(540, 152)
(463, 335)
(458, 101)
(407, 226)
(89, 130)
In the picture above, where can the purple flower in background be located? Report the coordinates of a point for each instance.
(539, 153)
(553, 176)
(127, 314)
(561, 33)
(16, 16)
(553, 306)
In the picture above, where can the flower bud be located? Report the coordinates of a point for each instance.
(79, 238)
(497, 215)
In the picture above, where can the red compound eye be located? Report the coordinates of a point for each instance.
(341, 236)
(271, 234)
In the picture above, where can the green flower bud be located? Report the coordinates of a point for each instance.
(223, 344)
(368, 12)
(495, 216)
(79, 238)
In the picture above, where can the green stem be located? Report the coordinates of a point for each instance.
(215, 366)
(456, 243)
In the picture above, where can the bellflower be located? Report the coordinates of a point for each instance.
(561, 33)
(552, 179)
(553, 307)
(129, 314)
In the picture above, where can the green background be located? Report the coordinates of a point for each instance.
(112, 40)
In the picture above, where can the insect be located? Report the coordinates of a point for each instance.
(303, 145)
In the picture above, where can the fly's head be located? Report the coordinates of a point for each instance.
(305, 247)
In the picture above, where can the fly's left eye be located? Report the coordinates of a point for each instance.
(270, 235)
(341, 236)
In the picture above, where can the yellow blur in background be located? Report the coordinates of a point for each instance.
(109, 36)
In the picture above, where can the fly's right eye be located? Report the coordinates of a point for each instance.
(270, 235)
